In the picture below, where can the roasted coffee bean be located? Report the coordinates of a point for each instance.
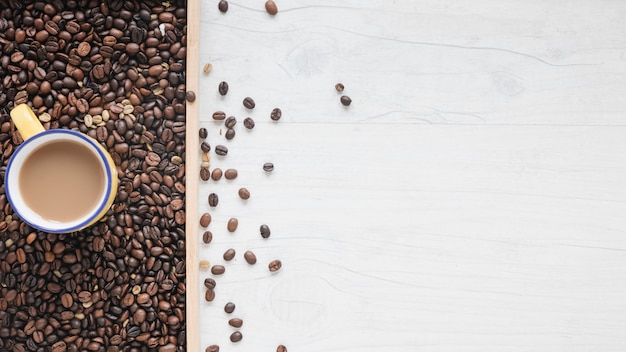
(203, 133)
(221, 150)
(250, 257)
(248, 103)
(265, 231)
(276, 114)
(244, 193)
(270, 7)
(205, 219)
(275, 265)
(209, 295)
(219, 115)
(218, 269)
(281, 348)
(229, 254)
(223, 6)
(235, 322)
(229, 307)
(190, 96)
(232, 224)
(205, 147)
(230, 122)
(248, 122)
(230, 174)
(213, 200)
(204, 174)
(339, 87)
(345, 100)
(236, 336)
(209, 283)
(207, 237)
(222, 88)
(216, 175)
(212, 348)
(268, 167)
(230, 134)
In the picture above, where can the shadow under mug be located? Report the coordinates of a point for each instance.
(35, 138)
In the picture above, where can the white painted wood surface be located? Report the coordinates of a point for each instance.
(472, 198)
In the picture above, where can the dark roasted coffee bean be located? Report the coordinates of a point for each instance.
(265, 231)
(207, 237)
(212, 348)
(203, 133)
(250, 257)
(281, 348)
(209, 295)
(345, 100)
(223, 6)
(248, 103)
(229, 254)
(216, 175)
(270, 7)
(230, 174)
(209, 283)
(190, 96)
(235, 322)
(205, 147)
(222, 88)
(204, 174)
(230, 134)
(268, 167)
(213, 199)
(248, 122)
(205, 219)
(244, 193)
(218, 269)
(339, 87)
(236, 336)
(232, 225)
(219, 115)
(275, 265)
(229, 307)
(276, 114)
(221, 150)
(230, 122)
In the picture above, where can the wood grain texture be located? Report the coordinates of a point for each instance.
(471, 198)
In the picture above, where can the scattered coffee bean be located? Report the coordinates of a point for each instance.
(275, 265)
(207, 237)
(219, 269)
(222, 88)
(232, 224)
(205, 264)
(207, 68)
(248, 103)
(219, 115)
(236, 336)
(205, 147)
(250, 257)
(229, 254)
(281, 348)
(230, 134)
(345, 100)
(265, 231)
(209, 283)
(248, 122)
(229, 307)
(244, 193)
(205, 219)
(203, 133)
(209, 295)
(212, 348)
(190, 96)
(235, 322)
(268, 167)
(230, 174)
(216, 175)
(223, 6)
(204, 174)
(221, 150)
(230, 122)
(339, 87)
(213, 200)
(276, 114)
(270, 7)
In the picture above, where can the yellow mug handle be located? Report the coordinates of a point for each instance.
(26, 122)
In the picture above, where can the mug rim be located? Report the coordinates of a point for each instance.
(87, 218)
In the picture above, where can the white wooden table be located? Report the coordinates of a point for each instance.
(472, 197)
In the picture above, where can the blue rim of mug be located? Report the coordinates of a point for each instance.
(103, 158)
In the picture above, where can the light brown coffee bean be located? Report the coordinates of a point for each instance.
(209, 295)
(250, 257)
(281, 348)
(66, 300)
(216, 174)
(229, 254)
(233, 223)
(205, 219)
(218, 269)
(212, 348)
(244, 193)
(230, 174)
(271, 8)
(235, 322)
(275, 265)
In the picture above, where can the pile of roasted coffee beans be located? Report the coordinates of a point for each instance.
(114, 70)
